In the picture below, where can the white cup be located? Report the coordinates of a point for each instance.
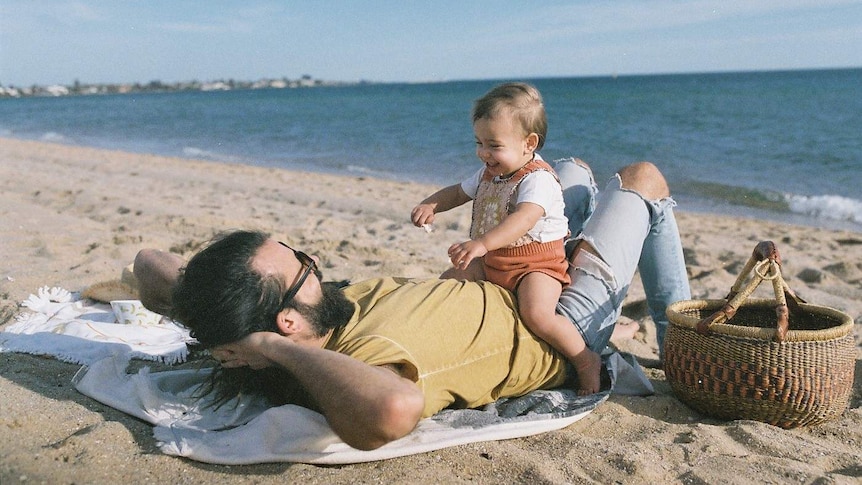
(132, 312)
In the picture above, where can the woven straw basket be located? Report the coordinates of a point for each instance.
(782, 361)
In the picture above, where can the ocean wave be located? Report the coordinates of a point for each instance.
(819, 210)
(741, 196)
(364, 171)
(197, 153)
(828, 206)
(53, 136)
(192, 152)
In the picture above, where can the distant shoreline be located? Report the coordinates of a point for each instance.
(86, 89)
(306, 81)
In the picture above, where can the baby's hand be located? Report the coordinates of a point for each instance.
(462, 253)
(422, 215)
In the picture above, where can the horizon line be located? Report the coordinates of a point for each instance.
(445, 80)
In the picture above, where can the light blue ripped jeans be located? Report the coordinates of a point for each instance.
(630, 233)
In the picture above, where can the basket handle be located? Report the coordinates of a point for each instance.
(765, 264)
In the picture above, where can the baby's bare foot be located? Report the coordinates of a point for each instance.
(588, 364)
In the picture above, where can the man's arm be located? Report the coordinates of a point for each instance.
(366, 406)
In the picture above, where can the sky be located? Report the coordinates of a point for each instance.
(108, 41)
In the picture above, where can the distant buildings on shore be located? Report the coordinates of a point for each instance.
(83, 89)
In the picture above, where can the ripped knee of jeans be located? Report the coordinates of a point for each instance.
(586, 259)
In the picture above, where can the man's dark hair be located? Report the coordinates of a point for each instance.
(221, 299)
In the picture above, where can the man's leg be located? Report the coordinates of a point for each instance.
(663, 272)
(157, 273)
(579, 193)
(636, 203)
(661, 264)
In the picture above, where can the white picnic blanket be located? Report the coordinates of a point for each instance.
(58, 323)
(246, 430)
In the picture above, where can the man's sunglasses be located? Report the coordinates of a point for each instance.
(310, 266)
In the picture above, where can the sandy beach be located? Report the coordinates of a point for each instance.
(73, 217)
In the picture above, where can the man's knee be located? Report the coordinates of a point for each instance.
(585, 166)
(646, 179)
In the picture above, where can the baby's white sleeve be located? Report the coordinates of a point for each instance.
(470, 186)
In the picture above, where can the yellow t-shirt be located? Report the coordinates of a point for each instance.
(463, 343)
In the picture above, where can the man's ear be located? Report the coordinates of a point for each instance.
(286, 322)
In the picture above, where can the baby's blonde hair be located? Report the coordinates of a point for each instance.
(522, 101)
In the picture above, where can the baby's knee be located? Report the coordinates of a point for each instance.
(538, 320)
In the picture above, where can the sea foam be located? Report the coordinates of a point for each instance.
(827, 206)
(201, 154)
(54, 137)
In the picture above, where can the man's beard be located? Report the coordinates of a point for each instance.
(333, 310)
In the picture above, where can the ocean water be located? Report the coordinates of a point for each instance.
(783, 146)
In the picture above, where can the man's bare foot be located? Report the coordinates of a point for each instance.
(588, 364)
(625, 329)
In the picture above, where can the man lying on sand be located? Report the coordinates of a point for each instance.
(377, 356)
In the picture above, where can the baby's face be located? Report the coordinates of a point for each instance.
(501, 144)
